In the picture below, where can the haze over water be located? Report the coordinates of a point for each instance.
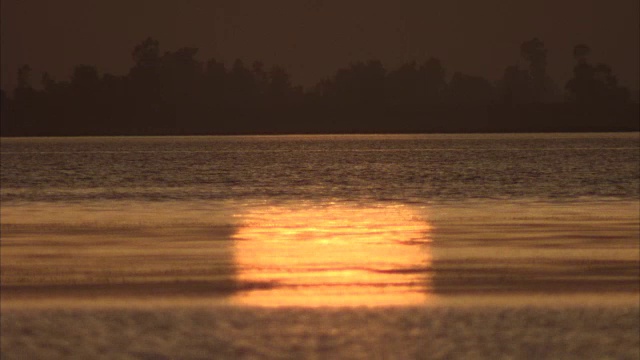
(320, 220)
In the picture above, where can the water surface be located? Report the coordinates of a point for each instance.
(321, 220)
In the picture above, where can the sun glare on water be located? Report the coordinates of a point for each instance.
(333, 255)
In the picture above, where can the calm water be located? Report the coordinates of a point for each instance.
(321, 220)
(408, 169)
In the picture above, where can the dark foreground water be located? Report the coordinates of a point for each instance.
(344, 333)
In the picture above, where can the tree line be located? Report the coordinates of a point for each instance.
(174, 93)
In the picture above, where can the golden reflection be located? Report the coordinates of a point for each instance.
(333, 255)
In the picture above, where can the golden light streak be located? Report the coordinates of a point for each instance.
(334, 255)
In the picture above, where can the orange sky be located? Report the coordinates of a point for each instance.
(312, 38)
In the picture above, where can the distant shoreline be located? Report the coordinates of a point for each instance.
(534, 118)
(617, 131)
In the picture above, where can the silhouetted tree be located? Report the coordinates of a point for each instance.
(143, 99)
(280, 89)
(261, 77)
(535, 53)
(360, 83)
(25, 109)
(434, 76)
(85, 78)
(5, 121)
(24, 93)
(3, 101)
(215, 78)
(520, 86)
(470, 90)
(516, 86)
(24, 76)
(242, 86)
(146, 55)
(594, 84)
(580, 52)
(180, 77)
(48, 84)
(405, 88)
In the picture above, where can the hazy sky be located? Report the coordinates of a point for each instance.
(312, 38)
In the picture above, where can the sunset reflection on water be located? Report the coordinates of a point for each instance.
(334, 255)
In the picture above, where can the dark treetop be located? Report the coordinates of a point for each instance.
(173, 93)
